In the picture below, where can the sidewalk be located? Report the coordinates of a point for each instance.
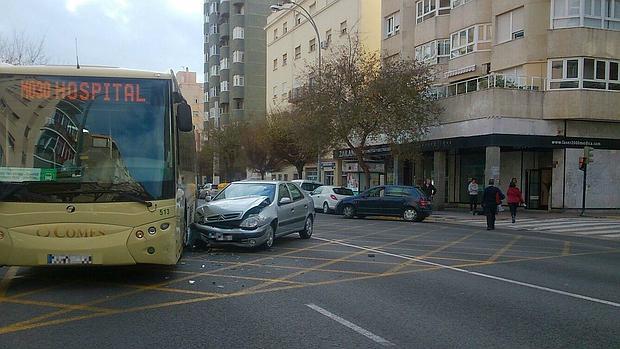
(540, 214)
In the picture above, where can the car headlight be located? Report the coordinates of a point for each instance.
(254, 221)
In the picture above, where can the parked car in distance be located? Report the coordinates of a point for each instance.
(387, 200)
(255, 213)
(306, 185)
(207, 190)
(328, 196)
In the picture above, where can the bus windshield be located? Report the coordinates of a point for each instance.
(84, 139)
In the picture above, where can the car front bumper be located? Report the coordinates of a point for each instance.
(233, 236)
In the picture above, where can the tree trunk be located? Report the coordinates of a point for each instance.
(262, 175)
(300, 171)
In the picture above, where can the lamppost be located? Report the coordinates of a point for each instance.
(302, 11)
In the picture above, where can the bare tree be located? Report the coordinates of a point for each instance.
(22, 50)
(363, 100)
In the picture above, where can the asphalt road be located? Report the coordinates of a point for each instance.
(358, 283)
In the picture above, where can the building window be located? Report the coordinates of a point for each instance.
(238, 33)
(510, 25)
(343, 28)
(275, 91)
(328, 36)
(224, 86)
(213, 50)
(213, 8)
(239, 104)
(275, 64)
(586, 73)
(284, 89)
(312, 7)
(312, 45)
(238, 80)
(239, 9)
(466, 41)
(284, 27)
(297, 19)
(431, 51)
(392, 24)
(457, 3)
(275, 34)
(602, 14)
(298, 52)
(286, 176)
(284, 59)
(426, 9)
(215, 70)
(238, 57)
(223, 63)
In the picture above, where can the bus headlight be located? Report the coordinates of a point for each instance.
(254, 221)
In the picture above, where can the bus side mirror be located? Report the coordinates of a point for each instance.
(184, 117)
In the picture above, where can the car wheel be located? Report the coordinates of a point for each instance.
(308, 229)
(410, 214)
(348, 211)
(271, 236)
(325, 207)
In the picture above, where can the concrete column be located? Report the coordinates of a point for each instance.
(492, 165)
(397, 176)
(418, 173)
(439, 168)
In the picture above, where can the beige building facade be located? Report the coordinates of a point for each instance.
(194, 94)
(292, 44)
(525, 85)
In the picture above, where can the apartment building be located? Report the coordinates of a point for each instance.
(292, 44)
(193, 93)
(234, 51)
(525, 85)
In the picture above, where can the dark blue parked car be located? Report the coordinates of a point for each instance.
(387, 200)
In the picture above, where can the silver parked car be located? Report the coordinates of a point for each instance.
(255, 213)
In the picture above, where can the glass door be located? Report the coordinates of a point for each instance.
(532, 197)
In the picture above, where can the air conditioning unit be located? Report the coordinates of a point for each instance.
(324, 45)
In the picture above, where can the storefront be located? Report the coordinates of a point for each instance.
(379, 161)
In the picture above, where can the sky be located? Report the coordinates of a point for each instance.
(154, 35)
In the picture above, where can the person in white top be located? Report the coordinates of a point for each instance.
(472, 188)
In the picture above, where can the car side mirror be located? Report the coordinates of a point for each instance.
(184, 117)
(208, 198)
(285, 200)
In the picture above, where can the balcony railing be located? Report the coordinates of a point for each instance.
(530, 83)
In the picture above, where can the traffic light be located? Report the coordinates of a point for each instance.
(582, 163)
(588, 154)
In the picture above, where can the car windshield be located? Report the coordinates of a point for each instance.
(237, 190)
(85, 139)
(343, 191)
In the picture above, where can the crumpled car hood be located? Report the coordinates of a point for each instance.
(227, 206)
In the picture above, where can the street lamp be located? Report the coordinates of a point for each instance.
(302, 11)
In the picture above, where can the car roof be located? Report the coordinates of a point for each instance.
(84, 70)
(253, 181)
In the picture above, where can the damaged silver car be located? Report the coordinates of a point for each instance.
(255, 213)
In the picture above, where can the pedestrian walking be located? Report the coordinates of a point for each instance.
(429, 189)
(515, 198)
(472, 188)
(491, 197)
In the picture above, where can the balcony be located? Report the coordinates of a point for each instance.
(490, 82)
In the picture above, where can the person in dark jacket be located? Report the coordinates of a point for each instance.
(429, 189)
(492, 197)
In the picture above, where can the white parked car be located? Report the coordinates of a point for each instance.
(328, 196)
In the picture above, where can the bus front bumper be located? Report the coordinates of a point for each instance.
(121, 248)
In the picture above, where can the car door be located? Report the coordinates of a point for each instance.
(393, 201)
(285, 211)
(369, 202)
(317, 197)
(300, 210)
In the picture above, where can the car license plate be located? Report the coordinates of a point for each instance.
(68, 259)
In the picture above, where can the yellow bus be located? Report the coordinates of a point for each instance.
(97, 166)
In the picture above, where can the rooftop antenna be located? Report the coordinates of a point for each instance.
(77, 58)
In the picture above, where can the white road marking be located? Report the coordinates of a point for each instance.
(351, 325)
(542, 288)
(612, 235)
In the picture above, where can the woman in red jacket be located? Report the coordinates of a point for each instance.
(515, 198)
